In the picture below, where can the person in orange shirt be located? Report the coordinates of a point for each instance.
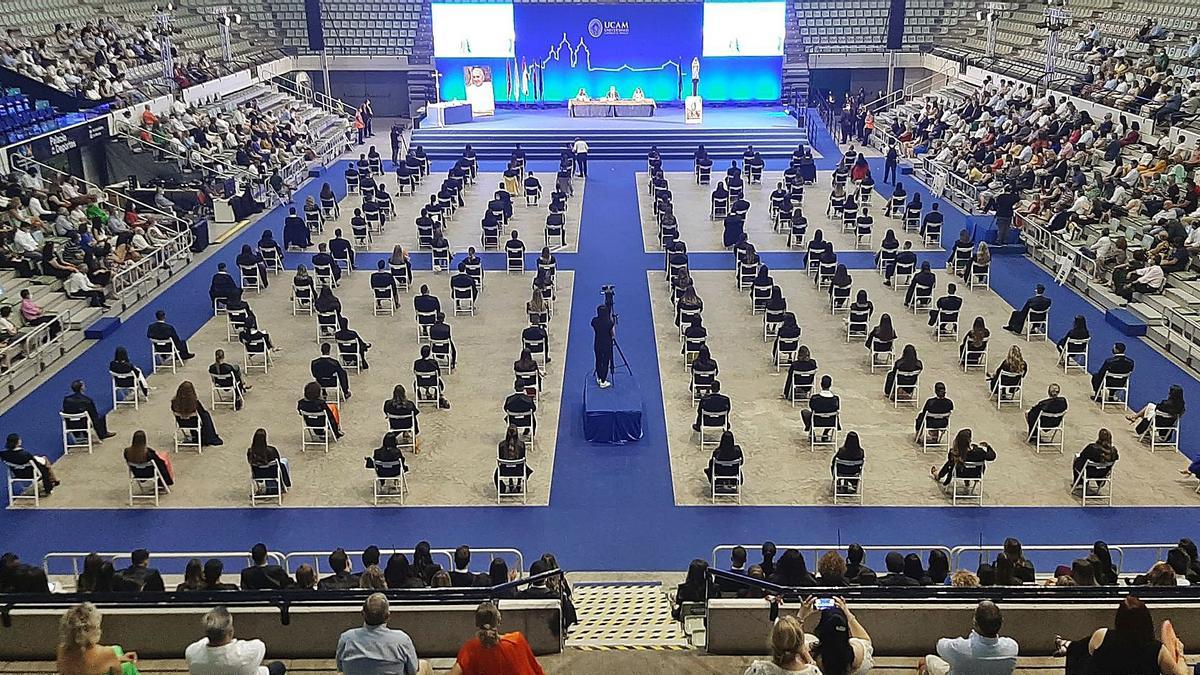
(148, 116)
(491, 652)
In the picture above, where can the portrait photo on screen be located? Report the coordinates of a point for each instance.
(468, 30)
(743, 28)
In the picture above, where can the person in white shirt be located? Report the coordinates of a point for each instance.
(580, 148)
(219, 653)
(582, 95)
(1149, 279)
(26, 243)
(77, 285)
(612, 94)
(984, 652)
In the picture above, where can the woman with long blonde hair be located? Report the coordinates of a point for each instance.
(79, 648)
(789, 653)
(1013, 364)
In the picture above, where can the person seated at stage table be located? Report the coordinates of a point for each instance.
(905, 257)
(714, 402)
(962, 450)
(14, 453)
(78, 402)
(803, 365)
(612, 94)
(948, 303)
(427, 366)
(1078, 331)
(730, 455)
(582, 95)
(924, 278)
(326, 301)
(295, 231)
(161, 330)
(638, 94)
(223, 286)
(1013, 363)
(823, 401)
(463, 280)
(400, 404)
(347, 334)
(328, 371)
(907, 363)
(976, 340)
(1117, 364)
(186, 407)
(1038, 303)
(1053, 404)
(139, 452)
(1101, 451)
(939, 404)
(313, 402)
(322, 258)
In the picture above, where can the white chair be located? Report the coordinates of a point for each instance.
(839, 300)
(858, 324)
(1007, 388)
(250, 280)
(801, 386)
(272, 260)
(980, 277)
(966, 483)
(1095, 482)
(77, 432)
(441, 351)
(847, 480)
(327, 325)
(404, 428)
(315, 431)
(324, 275)
(881, 354)
(187, 434)
(701, 382)
(1036, 324)
(257, 355)
(464, 300)
(427, 389)
(424, 321)
(125, 390)
(974, 358)
(717, 422)
(786, 352)
(164, 355)
(345, 263)
(1163, 432)
(266, 483)
(235, 321)
(148, 482)
(515, 484)
(385, 303)
(302, 300)
(23, 479)
(904, 388)
(537, 349)
(824, 430)
(1114, 390)
(350, 354)
(726, 482)
(946, 326)
(225, 391)
(902, 275)
(922, 298)
(514, 261)
(934, 432)
(1047, 432)
(388, 486)
(1074, 354)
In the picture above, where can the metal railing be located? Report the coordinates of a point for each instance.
(76, 559)
(41, 345)
(330, 104)
(216, 166)
(1119, 553)
(317, 558)
(135, 281)
(823, 549)
(1043, 244)
(110, 195)
(910, 91)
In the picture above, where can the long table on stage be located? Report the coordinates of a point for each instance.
(617, 108)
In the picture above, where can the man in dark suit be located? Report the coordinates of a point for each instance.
(505, 198)
(535, 332)
(341, 579)
(464, 280)
(78, 402)
(322, 259)
(1117, 364)
(533, 186)
(713, 403)
(161, 330)
(382, 279)
(346, 334)
(938, 405)
(1038, 303)
(328, 371)
(932, 220)
(139, 576)
(904, 257)
(439, 331)
(520, 405)
(340, 247)
(427, 367)
(224, 286)
(947, 305)
(261, 575)
(461, 575)
(538, 590)
(896, 575)
(1053, 404)
(426, 302)
(823, 402)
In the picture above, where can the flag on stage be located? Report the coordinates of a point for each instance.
(524, 78)
(507, 80)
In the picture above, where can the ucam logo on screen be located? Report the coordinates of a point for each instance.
(598, 27)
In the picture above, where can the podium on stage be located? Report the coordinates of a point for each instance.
(693, 110)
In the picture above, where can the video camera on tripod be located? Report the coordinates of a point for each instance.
(609, 291)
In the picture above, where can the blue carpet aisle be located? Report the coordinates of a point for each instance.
(611, 508)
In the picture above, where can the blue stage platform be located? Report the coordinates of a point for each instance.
(612, 415)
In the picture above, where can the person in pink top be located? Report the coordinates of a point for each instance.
(34, 315)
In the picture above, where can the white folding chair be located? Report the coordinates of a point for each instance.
(225, 391)
(934, 432)
(272, 260)
(512, 486)
(302, 300)
(315, 431)
(250, 280)
(1074, 354)
(164, 355)
(426, 389)
(786, 352)
(974, 358)
(257, 355)
(327, 325)
(350, 354)
(147, 480)
(711, 422)
(388, 486)
(1007, 388)
(801, 386)
(946, 326)
(424, 321)
(967, 487)
(385, 302)
(1036, 325)
(464, 300)
(726, 482)
(187, 434)
(1114, 390)
(980, 277)
(125, 390)
(77, 432)
(266, 483)
(1047, 432)
(24, 482)
(1163, 432)
(847, 480)
(514, 261)
(1095, 482)
(881, 355)
(904, 388)
(823, 431)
